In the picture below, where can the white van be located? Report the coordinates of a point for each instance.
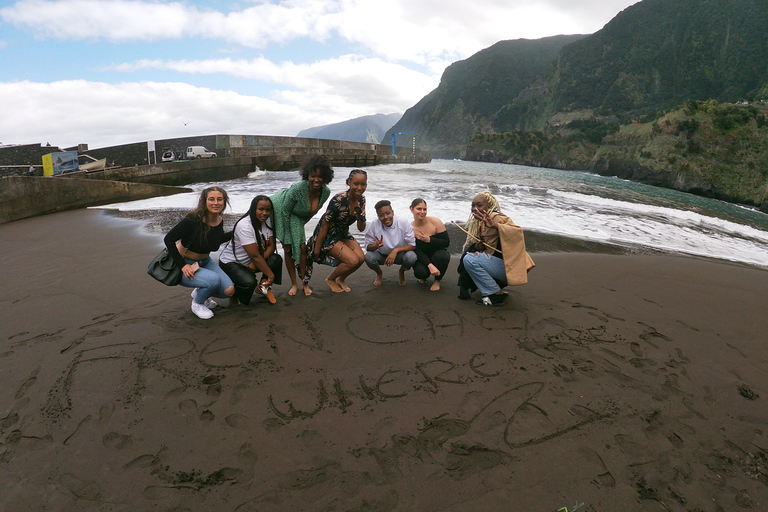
(199, 152)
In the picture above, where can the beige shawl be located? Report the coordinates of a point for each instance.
(517, 262)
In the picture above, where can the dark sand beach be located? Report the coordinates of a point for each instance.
(622, 382)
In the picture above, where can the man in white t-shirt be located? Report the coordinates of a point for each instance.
(389, 240)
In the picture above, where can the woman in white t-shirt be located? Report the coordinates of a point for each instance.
(252, 250)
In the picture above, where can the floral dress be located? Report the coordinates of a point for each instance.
(338, 217)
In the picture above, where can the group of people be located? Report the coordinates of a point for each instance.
(494, 252)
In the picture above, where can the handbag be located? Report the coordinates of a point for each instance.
(164, 269)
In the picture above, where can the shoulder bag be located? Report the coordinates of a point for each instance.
(164, 269)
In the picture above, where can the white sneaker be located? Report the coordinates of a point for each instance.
(209, 302)
(201, 311)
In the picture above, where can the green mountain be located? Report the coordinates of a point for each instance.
(471, 91)
(652, 56)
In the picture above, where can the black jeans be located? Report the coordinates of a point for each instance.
(245, 280)
(440, 258)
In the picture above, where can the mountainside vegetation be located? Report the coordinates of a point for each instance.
(652, 56)
(706, 148)
(669, 92)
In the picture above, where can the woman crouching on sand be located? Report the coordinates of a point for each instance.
(431, 245)
(251, 250)
(331, 244)
(190, 243)
(495, 253)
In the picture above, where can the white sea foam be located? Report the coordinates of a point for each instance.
(573, 204)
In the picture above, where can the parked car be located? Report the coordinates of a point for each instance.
(199, 152)
(168, 155)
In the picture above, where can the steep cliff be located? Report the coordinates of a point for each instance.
(471, 91)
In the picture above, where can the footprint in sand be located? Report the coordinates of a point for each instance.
(237, 421)
(117, 441)
(26, 385)
(604, 476)
(238, 393)
(35, 443)
(142, 461)
(83, 489)
(708, 398)
(189, 408)
(246, 455)
(306, 478)
(106, 411)
(462, 462)
(9, 421)
(628, 446)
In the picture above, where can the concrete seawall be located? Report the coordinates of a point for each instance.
(28, 196)
(176, 173)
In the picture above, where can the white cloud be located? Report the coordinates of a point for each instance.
(347, 83)
(134, 20)
(398, 29)
(99, 114)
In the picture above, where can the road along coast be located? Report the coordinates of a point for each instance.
(622, 382)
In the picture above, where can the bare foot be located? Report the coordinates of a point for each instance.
(401, 277)
(343, 285)
(435, 286)
(377, 281)
(307, 290)
(293, 290)
(421, 281)
(333, 285)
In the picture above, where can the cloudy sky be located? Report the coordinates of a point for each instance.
(107, 72)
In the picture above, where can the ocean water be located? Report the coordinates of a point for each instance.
(571, 204)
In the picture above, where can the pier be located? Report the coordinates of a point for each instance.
(134, 172)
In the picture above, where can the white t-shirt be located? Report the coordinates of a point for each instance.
(244, 235)
(400, 233)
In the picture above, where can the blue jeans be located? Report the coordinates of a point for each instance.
(374, 259)
(484, 269)
(210, 280)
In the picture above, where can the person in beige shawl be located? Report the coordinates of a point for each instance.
(495, 252)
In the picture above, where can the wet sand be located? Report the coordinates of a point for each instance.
(622, 382)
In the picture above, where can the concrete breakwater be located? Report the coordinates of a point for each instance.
(28, 196)
(131, 165)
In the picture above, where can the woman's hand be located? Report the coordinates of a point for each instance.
(483, 216)
(189, 271)
(419, 234)
(268, 280)
(433, 270)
